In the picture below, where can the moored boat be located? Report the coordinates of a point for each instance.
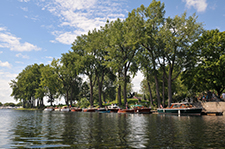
(125, 111)
(102, 110)
(113, 108)
(89, 110)
(49, 109)
(57, 109)
(141, 109)
(181, 109)
(65, 109)
(73, 109)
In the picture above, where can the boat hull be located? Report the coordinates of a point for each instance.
(48, 109)
(180, 111)
(65, 110)
(103, 111)
(89, 110)
(125, 111)
(76, 110)
(113, 110)
(143, 111)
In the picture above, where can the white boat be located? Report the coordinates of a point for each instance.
(113, 108)
(65, 109)
(57, 109)
(48, 109)
(184, 108)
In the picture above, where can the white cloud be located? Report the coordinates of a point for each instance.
(7, 40)
(5, 90)
(81, 16)
(136, 81)
(5, 64)
(2, 29)
(18, 62)
(1, 52)
(66, 38)
(200, 5)
(24, 8)
(23, 56)
(50, 57)
(23, 0)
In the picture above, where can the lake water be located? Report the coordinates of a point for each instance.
(41, 129)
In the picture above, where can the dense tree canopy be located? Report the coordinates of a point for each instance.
(208, 70)
(162, 48)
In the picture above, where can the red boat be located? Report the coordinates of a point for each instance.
(141, 109)
(76, 109)
(89, 110)
(125, 111)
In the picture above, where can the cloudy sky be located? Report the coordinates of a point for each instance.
(35, 31)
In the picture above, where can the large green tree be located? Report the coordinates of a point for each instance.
(26, 84)
(178, 34)
(87, 60)
(122, 50)
(49, 85)
(208, 71)
(148, 26)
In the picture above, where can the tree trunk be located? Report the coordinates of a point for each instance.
(71, 97)
(125, 88)
(150, 92)
(31, 103)
(38, 103)
(67, 94)
(91, 92)
(51, 99)
(157, 89)
(42, 104)
(24, 103)
(119, 90)
(103, 94)
(119, 95)
(100, 89)
(170, 88)
(163, 92)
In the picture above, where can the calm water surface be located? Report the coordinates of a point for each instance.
(41, 129)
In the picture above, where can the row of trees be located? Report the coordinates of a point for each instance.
(162, 48)
(10, 104)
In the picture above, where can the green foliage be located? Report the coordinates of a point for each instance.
(83, 103)
(160, 47)
(207, 71)
(10, 104)
(19, 104)
(26, 84)
(1, 104)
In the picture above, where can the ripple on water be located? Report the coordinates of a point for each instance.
(37, 129)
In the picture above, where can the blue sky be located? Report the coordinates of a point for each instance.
(35, 31)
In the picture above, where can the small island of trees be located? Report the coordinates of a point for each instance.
(177, 57)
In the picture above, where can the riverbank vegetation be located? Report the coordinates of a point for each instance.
(177, 57)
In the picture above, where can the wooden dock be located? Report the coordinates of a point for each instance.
(212, 113)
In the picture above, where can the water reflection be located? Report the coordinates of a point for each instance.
(40, 129)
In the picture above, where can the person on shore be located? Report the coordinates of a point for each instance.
(223, 95)
(209, 95)
(203, 97)
(213, 96)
